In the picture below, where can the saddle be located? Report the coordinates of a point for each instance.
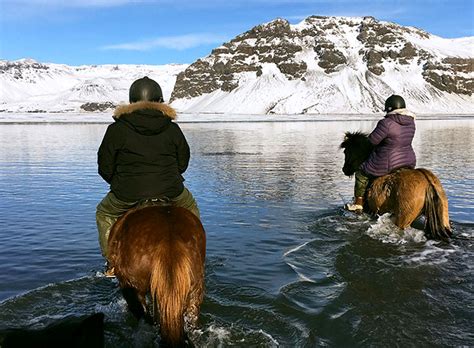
(380, 188)
(150, 202)
(394, 171)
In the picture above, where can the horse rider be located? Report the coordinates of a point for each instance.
(392, 138)
(142, 156)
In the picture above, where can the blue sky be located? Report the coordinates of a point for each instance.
(79, 32)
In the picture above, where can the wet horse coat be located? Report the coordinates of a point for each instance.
(406, 193)
(160, 250)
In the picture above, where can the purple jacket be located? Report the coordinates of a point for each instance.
(392, 139)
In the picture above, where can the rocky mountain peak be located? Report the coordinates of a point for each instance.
(320, 65)
(321, 48)
(276, 27)
(19, 67)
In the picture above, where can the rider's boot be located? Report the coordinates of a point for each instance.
(109, 271)
(357, 206)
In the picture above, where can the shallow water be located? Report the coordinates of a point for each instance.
(286, 266)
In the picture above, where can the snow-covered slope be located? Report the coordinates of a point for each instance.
(330, 65)
(29, 86)
(322, 65)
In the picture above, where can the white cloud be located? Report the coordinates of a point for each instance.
(180, 42)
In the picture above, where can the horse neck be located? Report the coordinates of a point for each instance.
(362, 151)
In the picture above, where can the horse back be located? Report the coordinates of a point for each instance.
(397, 192)
(142, 233)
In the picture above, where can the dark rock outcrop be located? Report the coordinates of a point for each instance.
(19, 70)
(290, 48)
(98, 106)
(449, 75)
(266, 43)
(386, 42)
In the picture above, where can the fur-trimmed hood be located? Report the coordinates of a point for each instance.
(146, 118)
(403, 112)
(165, 109)
(401, 116)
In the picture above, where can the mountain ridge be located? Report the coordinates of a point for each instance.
(29, 86)
(330, 65)
(322, 65)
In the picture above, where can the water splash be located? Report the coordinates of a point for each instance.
(387, 232)
(219, 335)
(416, 249)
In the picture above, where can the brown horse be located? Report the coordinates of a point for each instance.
(160, 251)
(406, 193)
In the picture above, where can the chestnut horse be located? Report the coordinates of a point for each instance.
(160, 251)
(406, 193)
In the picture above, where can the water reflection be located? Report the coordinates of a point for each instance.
(300, 163)
(284, 265)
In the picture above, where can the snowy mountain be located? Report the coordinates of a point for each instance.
(322, 65)
(29, 86)
(330, 65)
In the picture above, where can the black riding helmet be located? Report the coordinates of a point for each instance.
(394, 102)
(145, 89)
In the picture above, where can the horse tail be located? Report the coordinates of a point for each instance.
(170, 285)
(436, 208)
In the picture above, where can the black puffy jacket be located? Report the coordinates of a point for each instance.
(144, 153)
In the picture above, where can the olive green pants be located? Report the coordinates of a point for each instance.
(111, 208)
(361, 182)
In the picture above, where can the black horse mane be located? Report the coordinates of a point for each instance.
(356, 141)
(357, 149)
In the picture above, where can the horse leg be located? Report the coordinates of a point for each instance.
(135, 301)
(403, 221)
(409, 209)
(194, 303)
(418, 223)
